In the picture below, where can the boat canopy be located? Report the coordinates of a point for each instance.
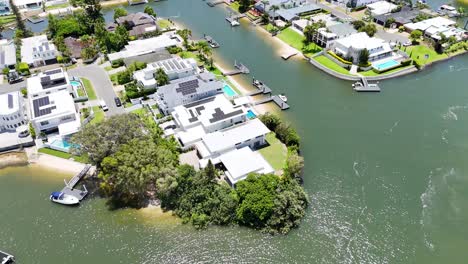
(56, 195)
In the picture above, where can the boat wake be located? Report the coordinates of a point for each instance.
(451, 112)
(394, 126)
(444, 136)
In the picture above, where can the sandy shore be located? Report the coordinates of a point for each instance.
(53, 163)
(280, 46)
(17, 158)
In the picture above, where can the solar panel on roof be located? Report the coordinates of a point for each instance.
(10, 101)
(220, 115)
(176, 63)
(40, 102)
(171, 64)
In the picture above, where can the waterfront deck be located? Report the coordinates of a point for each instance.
(240, 68)
(365, 86)
(235, 18)
(213, 43)
(70, 185)
(276, 99)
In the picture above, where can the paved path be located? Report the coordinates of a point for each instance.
(102, 85)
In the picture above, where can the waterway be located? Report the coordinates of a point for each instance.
(386, 174)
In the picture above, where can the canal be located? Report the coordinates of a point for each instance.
(386, 174)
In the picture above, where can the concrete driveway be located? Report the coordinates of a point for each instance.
(102, 86)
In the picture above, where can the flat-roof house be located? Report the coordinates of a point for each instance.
(48, 82)
(381, 7)
(28, 4)
(7, 54)
(137, 23)
(12, 114)
(38, 51)
(240, 163)
(187, 90)
(175, 68)
(325, 36)
(146, 46)
(290, 14)
(55, 111)
(436, 26)
(205, 116)
(352, 45)
(359, 3)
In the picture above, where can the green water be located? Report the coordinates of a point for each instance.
(386, 174)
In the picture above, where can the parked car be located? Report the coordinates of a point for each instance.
(118, 103)
(103, 105)
(14, 77)
(407, 43)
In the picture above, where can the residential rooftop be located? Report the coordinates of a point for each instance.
(145, 46)
(9, 103)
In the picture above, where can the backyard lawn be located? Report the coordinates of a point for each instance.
(275, 153)
(418, 53)
(6, 19)
(63, 155)
(140, 111)
(294, 39)
(64, 5)
(164, 23)
(331, 64)
(89, 89)
(98, 115)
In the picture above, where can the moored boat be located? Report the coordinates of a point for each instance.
(283, 97)
(6, 258)
(62, 198)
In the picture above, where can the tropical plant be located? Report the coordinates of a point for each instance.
(161, 77)
(363, 57)
(120, 12)
(415, 36)
(150, 11)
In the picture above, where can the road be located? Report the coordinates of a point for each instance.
(332, 10)
(8, 88)
(102, 86)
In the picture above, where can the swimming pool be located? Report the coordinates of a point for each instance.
(251, 115)
(75, 83)
(229, 91)
(61, 144)
(386, 65)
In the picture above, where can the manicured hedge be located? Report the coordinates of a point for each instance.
(339, 58)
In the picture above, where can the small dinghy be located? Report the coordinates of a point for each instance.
(283, 97)
(62, 198)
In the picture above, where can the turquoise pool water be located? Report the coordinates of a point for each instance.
(229, 91)
(386, 65)
(251, 115)
(75, 83)
(61, 143)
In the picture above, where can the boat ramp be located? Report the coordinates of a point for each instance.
(240, 68)
(364, 86)
(70, 185)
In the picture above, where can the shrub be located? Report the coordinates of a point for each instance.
(5, 70)
(23, 68)
(174, 50)
(417, 64)
(406, 62)
(117, 63)
(339, 58)
(60, 59)
(124, 77)
(32, 131)
(24, 92)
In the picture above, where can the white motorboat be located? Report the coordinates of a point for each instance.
(234, 23)
(283, 97)
(62, 198)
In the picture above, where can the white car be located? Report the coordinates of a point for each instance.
(103, 105)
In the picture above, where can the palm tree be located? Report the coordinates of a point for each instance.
(204, 49)
(274, 8)
(265, 3)
(185, 34)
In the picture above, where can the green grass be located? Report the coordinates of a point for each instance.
(57, 6)
(81, 92)
(55, 153)
(6, 19)
(164, 23)
(127, 104)
(89, 89)
(331, 64)
(269, 27)
(418, 53)
(294, 39)
(108, 68)
(275, 153)
(141, 111)
(373, 73)
(113, 78)
(235, 6)
(98, 115)
(215, 71)
(187, 54)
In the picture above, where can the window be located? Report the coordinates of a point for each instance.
(44, 123)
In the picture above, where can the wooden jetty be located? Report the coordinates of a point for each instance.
(137, 2)
(215, 2)
(288, 55)
(276, 99)
(364, 86)
(211, 41)
(70, 185)
(234, 19)
(6, 258)
(261, 88)
(240, 68)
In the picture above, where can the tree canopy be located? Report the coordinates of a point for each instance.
(120, 12)
(150, 11)
(161, 77)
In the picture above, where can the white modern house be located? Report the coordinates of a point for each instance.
(380, 8)
(55, 112)
(12, 112)
(38, 51)
(434, 27)
(352, 45)
(28, 4)
(187, 90)
(145, 46)
(7, 54)
(175, 68)
(209, 115)
(325, 36)
(233, 147)
(359, 3)
(48, 82)
(239, 163)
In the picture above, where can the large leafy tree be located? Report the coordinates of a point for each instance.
(150, 11)
(105, 138)
(161, 77)
(120, 12)
(129, 173)
(364, 57)
(184, 34)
